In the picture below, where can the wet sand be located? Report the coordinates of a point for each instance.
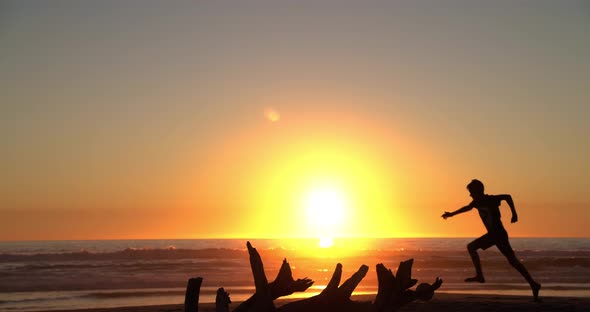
(440, 303)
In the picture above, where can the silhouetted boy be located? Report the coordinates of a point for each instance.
(488, 207)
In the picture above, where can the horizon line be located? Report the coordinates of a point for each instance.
(276, 238)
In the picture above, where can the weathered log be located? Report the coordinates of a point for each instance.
(191, 297)
(222, 301)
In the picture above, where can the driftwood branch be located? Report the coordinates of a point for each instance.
(346, 289)
(332, 286)
(284, 284)
(393, 291)
(333, 298)
(263, 301)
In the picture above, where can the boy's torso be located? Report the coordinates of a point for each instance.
(489, 212)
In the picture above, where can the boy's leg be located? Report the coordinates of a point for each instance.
(483, 242)
(506, 249)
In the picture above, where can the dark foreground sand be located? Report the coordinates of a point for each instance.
(440, 303)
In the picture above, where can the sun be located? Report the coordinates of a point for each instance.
(326, 209)
(325, 206)
(326, 242)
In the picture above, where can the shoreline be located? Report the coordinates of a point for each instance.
(443, 302)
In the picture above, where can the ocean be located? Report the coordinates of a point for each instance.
(57, 275)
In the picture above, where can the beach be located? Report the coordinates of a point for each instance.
(152, 274)
(440, 303)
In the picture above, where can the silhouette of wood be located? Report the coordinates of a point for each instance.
(222, 301)
(388, 290)
(333, 298)
(404, 274)
(332, 286)
(346, 289)
(283, 285)
(393, 291)
(263, 301)
(191, 297)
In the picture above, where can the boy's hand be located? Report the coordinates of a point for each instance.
(514, 218)
(446, 215)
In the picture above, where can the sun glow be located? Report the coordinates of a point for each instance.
(307, 183)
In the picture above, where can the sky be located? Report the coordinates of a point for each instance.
(251, 119)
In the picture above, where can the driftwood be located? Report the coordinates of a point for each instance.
(393, 291)
(283, 285)
(334, 298)
(222, 301)
(191, 297)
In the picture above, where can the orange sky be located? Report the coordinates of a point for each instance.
(207, 120)
(254, 183)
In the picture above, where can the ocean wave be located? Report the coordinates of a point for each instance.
(34, 300)
(128, 254)
(123, 293)
(132, 266)
(134, 259)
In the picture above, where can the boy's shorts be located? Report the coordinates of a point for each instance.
(490, 239)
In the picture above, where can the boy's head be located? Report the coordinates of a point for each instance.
(475, 188)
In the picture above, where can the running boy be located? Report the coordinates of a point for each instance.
(488, 207)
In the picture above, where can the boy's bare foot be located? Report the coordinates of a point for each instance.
(536, 287)
(476, 279)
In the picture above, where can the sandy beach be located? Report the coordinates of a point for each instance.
(440, 303)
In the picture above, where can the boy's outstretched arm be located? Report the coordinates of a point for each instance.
(510, 203)
(456, 212)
